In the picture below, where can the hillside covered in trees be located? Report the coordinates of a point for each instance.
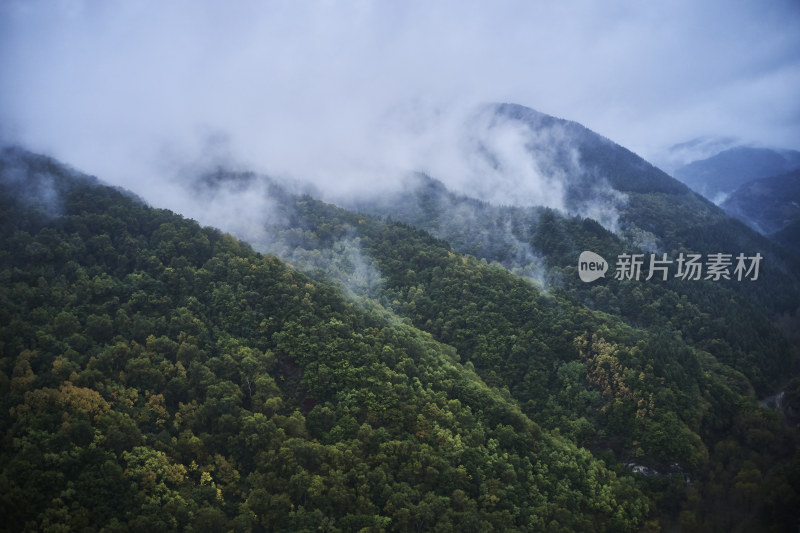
(158, 375)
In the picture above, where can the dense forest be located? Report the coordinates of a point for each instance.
(571, 385)
(157, 375)
(543, 244)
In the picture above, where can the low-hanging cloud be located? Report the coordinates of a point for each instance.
(349, 95)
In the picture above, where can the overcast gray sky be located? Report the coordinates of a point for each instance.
(133, 90)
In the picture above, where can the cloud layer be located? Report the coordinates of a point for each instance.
(358, 92)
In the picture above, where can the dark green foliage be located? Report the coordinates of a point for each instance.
(161, 376)
(661, 398)
(157, 375)
(544, 245)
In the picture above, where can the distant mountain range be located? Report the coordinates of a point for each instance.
(683, 153)
(759, 186)
(719, 175)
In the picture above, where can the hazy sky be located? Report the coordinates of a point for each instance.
(135, 90)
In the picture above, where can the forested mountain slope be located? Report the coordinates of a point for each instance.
(161, 375)
(543, 244)
(538, 346)
(767, 204)
(789, 236)
(646, 210)
(158, 375)
(652, 214)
